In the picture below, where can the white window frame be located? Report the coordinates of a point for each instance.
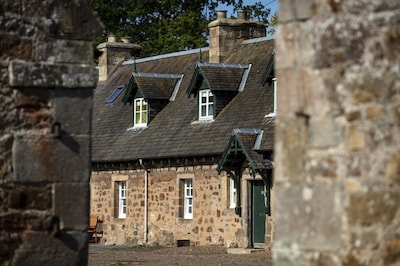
(188, 199)
(141, 102)
(274, 85)
(206, 94)
(122, 199)
(232, 193)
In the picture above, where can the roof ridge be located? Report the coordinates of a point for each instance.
(174, 54)
(224, 65)
(156, 75)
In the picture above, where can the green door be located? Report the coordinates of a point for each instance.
(258, 212)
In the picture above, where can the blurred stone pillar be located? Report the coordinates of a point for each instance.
(337, 149)
(47, 79)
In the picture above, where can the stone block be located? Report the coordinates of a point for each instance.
(288, 255)
(65, 51)
(31, 198)
(355, 138)
(43, 158)
(9, 112)
(311, 215)
(297, 10)
(290, 148)
(285, 46)
(47, 75)
(71, 205)
(392, 171)
(322, 165)
(324, 132)
(6, 141)
(38, 248)
(378, 206)
(34, 108)
(70, 20)
(73, 109)
(14, 46)
(391, 255)
(286, 106)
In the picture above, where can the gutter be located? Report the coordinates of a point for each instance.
(146, 177)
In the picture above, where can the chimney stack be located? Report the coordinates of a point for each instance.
(226, 34)
(114, 52)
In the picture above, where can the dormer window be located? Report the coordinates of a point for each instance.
(149, 93)
(215, 85)
(206, 105)
(140, 112)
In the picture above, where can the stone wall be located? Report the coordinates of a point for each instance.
(337, 139)
(213, 223)
(46, 87)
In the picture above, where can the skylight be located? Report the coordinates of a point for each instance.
(115, 94)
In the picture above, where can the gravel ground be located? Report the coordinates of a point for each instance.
(124, 255)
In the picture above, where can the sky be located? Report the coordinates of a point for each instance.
(273, 4)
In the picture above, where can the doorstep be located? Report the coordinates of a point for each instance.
(243, 250)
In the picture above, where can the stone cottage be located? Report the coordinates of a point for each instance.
(182, 142)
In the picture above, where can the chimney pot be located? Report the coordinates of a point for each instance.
(125, 39)
(221, 14)
(111, 38)
(242, 15)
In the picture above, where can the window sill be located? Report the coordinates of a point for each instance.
(271, 115)
(185, 220)
(137, 128)
(202, 122)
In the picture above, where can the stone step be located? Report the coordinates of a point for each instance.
(243, 250)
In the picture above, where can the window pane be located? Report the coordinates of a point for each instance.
(203, 110)
(137, 118)
(144, 117)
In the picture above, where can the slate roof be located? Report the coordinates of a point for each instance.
(155, 86)
(174, 131)
(254, 158)
(244, 145)
(220, 77)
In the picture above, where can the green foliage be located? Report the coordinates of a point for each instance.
(163, 26)
(273, 22)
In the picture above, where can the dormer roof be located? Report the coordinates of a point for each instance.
(218, 77)
(269, 72)
(152, 86)
(244, 144)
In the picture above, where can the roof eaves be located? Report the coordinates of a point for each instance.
(192, 85)
(269, 70)
(225, 154)
(176, 88)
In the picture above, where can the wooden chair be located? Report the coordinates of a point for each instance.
(93, 229)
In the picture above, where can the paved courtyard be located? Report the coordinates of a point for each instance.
(124, 255)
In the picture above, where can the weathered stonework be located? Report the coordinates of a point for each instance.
(225, 34)
(337, 133)
(46, 86)
(213, 223)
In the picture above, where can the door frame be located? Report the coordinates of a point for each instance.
(251, 216)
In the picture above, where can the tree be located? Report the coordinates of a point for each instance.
(163, 26)
(273, 22)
